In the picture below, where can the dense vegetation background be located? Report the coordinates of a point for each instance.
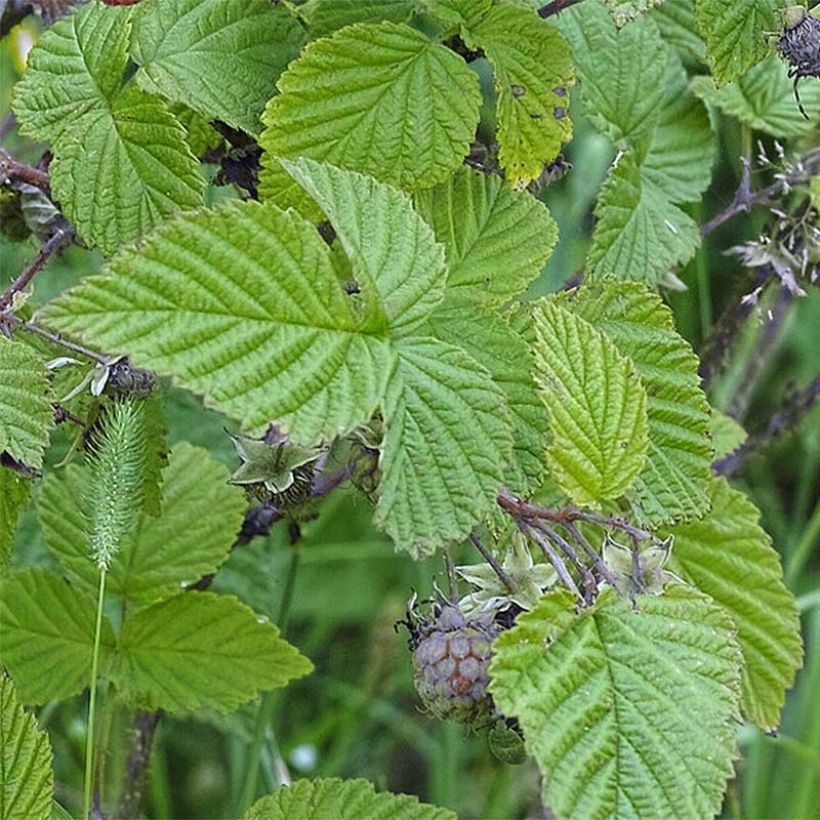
(344, 587)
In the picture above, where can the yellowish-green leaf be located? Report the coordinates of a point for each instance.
(323, 17)
(14, 492)
(727, 434)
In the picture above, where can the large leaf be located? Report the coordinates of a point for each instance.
(728, 556)
(676, 478)
(628, 712)
(47, 625)
(497, 240)
(622, 70)
(341, 800)
(326, 16)
(640, 234)
(202, 651)
(26, 779)
(378, 98)
(533, 71)
(201, 515)
(240, 303)
(14, 492)
(493, 343)
(676, 21)
(121, 159)
(25, 408)
(446, 446)
(763, 98)
(597, 407)
(736, 33)
(221, 59)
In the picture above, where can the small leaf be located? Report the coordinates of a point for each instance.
(730, 558)
(201, 516)
(221, 59)
(607, 698)
(341, 800)
(446, 447)
(25, 406)
(533, 70)
(45, 624)
(675, 481)
(390, 103)
(202, 651)
(763, 98)
(326, 16)
(26, 778)
(736, 33)
(727, 434)
(640, 234)
(14, 492)
(497, 240)
(621, 70)
(597, 407)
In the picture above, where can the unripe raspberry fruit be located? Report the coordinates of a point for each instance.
(450, 659)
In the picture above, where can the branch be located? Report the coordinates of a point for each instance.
(54, 338)
(60, 237)
(555, 6)
(745, 198)
(10, 168)
(145, 724)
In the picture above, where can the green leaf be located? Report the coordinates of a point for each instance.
(121, 160)
(497, 240)
(391, 103)
(25, 406)
(596, 403)
(727, 434)
(202, 651)
(622, 71)
(681, 150)
(200, 133)
(675, 20)
(14, 492)
(675, 481)
(628, 712)
(729, 557)
(640, 234)
(326, 16)
(47, 625)
(763, 98)
(221, 59)
(459, 12)
(201, 515)
(736, 33)
(240, 303)
(493, 343)
(334, 799)
(26, 778)
(393, 252)
(625, 10)
(446, 446)
(533, 71)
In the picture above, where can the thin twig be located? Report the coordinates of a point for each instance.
(490, 559)
(49, 248)
(555, 6)
(57, 339)
(10, 168)
(590, 587)
(553, 557)
(596, 559)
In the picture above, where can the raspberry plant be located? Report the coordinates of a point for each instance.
(329, 220)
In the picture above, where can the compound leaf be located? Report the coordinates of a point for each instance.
(763, 99)
(675, 481)
(497, 240)
(729, 557)
(202, 651)
(26, 778)
(201, 514)
(341, 800)
(736, 33)
(533, 71)
(640, 234)
(46, 624)
(221, 59)
(240, 303)
(379, 98)
(25, 407)
(596, 403)
(447, 445)
(606, 699)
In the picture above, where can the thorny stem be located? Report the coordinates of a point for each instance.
(57, 339)
(49, 248)
(490, 559)
(145, 724)
(11, 168)
(596, 559)
(589, 584)
(552, 557)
